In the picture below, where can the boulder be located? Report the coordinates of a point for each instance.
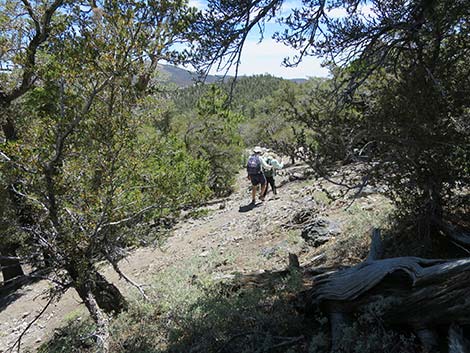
(319, 231)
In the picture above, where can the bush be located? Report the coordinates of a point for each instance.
(75, 337)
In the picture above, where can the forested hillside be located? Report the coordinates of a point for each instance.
(102, 158)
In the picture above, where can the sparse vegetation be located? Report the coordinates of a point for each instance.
(77, 336)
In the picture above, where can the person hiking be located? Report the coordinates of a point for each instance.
(255, 168)
(271, 173)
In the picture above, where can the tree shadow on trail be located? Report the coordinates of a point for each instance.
(249, 207)
(8, 296)
(10, 292)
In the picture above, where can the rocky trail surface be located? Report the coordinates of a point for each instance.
(225, 240)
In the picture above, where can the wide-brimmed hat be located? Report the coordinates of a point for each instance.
(257, 149)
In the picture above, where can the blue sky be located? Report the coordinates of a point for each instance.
(267, 56)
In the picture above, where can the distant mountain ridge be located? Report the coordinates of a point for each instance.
(185, 78)
(182, 77)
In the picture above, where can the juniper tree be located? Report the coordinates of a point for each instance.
(73, 151)
(213, 136)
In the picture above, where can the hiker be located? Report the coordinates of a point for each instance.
(271, 173)
(255, 168)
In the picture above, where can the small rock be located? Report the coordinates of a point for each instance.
(222, 263)
(369, 190)
(269, 252)
(222, 276)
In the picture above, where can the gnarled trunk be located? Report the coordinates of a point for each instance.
(86, 280)
(101, 320)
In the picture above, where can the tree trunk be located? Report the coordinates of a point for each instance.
(101, 320)
(341, 320)
(86, 279)
(9, 264)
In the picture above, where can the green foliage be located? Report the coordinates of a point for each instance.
(80, 154)
(422, 131)
(199, 213)
(256, 98)
(235, 324)
(253, 95)
(245, 94)
(212, 135)
(326, 134)
(188, 310)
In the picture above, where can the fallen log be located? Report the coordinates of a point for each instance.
(430, 286)
(421, 293)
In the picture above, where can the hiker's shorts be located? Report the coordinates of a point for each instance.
(257, 179)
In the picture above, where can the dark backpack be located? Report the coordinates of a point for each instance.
(254, 165)
(269, 172)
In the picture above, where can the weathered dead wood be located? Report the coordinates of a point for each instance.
(339, 321)
(421, 293)
(294, 262)
(424, 293)
(350, 283)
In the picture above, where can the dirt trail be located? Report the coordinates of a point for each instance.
(252, 238)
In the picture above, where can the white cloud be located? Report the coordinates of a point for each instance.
(367, 11)
(266, 58)
(340, 12)
(199, 4)
(337, 12)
